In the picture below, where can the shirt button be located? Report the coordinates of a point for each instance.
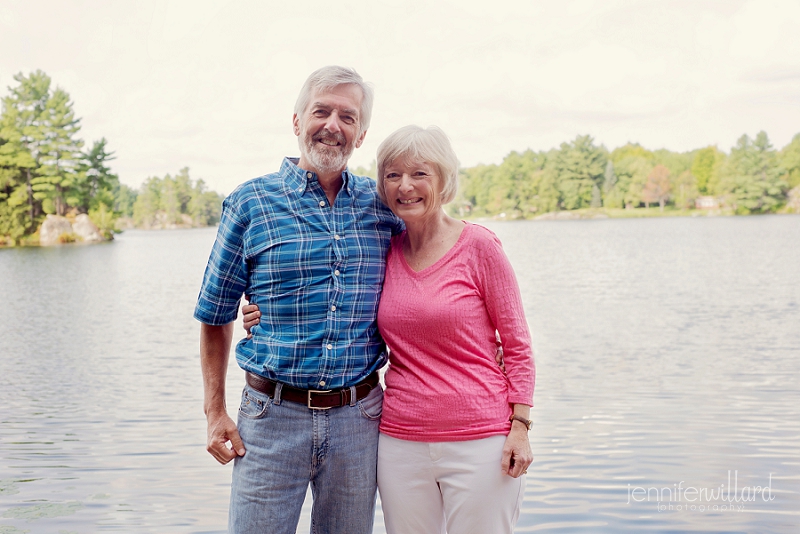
(308, 174)
(321, 382)
(329, 346)
(337, 237)
(299, 189)
(336, 272)
(322, 203)
(333, 308)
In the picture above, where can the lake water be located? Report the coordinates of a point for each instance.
(667, 350)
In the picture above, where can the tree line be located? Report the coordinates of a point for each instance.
(45, 168)
(753, 177)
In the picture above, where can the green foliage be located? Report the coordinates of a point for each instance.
(21, 132)
(631, 151)
(632, 172)
(148, 203)
(632, 164)
(789, 160)
(685, 191)
(658, 186)
(60, 158)
(581, 176)
(752, 178)
(176, 202)
(105, 219)
(612, 194)
(519, 183)
(44, 170)
(477, 187)
(101, 186)
(124, 201)
(205, 207)
(371, 172)
(580, 166)
(519, 187)
(705, 167)
(675, 162)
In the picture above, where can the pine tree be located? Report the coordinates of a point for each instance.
(23, 134)
(752, 176)
(100, 185)
(580, 166)
(60, 178)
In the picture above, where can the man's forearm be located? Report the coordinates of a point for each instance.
(215, 345)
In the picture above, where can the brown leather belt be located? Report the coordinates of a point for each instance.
(315, 399)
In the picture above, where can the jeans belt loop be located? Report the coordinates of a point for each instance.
(352, 395)
(276, 399)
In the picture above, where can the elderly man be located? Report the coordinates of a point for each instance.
(307, 244)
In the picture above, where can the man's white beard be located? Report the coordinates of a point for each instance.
(326, 159)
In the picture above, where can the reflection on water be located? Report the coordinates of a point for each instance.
(667, 354)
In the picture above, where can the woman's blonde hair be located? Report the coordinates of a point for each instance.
(429, 145)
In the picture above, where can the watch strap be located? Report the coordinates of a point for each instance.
(526, 422)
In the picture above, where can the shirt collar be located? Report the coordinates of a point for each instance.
(299, 180)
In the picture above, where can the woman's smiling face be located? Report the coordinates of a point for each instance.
(413, 189)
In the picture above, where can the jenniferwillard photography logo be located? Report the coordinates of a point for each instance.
(723, 498)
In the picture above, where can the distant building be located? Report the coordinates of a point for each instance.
(706, 203)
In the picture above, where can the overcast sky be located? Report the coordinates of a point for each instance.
(211, 84)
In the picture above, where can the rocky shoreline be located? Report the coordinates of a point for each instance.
(58, 230)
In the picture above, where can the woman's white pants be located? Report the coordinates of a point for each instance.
(455, 487)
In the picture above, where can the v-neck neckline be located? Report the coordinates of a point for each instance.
(451, 251)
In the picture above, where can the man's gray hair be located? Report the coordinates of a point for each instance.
(327, 78)
(429, 145)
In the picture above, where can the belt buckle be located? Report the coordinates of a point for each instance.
(308, 403)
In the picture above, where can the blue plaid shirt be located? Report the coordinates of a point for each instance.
(315, 271)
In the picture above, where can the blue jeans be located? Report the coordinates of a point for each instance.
(289, 446)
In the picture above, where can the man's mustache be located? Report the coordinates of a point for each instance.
(327, 135)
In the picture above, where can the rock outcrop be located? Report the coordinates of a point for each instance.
(85, 229)
(55, 230)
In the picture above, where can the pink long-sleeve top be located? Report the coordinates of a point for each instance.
(443, 383)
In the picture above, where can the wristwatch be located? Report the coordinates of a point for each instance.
(526, 422)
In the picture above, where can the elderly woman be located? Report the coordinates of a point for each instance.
(454, 429)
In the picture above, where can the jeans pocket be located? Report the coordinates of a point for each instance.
(371, 406)
(253, 405)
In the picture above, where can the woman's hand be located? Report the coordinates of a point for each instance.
(517, 455)
(251, 316)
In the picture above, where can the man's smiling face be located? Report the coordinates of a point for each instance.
(329, 129)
